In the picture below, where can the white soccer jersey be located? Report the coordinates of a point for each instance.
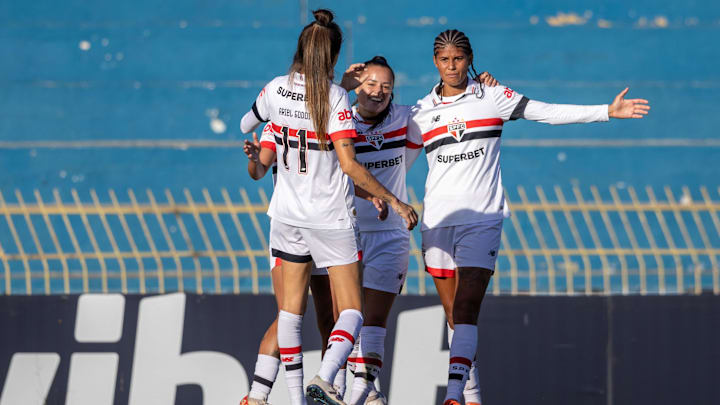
(382, 151)
(311, 190)
(461, 136)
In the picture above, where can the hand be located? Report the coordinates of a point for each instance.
(407, 212)
(252, 149)
(486, 79)
(353, 77)
(382, 208)
(634, 108)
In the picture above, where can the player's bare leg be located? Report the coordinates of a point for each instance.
(325, 314)
(471, 286)
(295, 279)
(345, 282)
(369, 353)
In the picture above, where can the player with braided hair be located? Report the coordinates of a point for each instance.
(383, 148)
(459, 124)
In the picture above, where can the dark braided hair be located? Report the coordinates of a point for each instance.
(459, 40)
(381, 61)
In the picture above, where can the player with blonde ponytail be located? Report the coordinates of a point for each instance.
(312, 209)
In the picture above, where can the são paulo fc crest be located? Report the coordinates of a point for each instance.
(457, 128)
(375, 140)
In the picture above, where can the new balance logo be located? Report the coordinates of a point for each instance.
(492, 253)
(435, 119)
(337, 339)
(287, 359)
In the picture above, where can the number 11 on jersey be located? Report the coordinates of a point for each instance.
(301, 144)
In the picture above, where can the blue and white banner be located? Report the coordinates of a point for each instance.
(201, 349)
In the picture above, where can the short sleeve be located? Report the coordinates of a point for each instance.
(341, 124)
(267, 139)
(414, 134)
(259, 112)
(414, 141)
(510, 104)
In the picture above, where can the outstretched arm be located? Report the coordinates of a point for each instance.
(556, 114)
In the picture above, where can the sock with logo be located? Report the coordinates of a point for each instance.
(339, 381)
(266, 369)
(340, 344)
(462, 350)
(472, 385)
(290, 343)
(368, 362)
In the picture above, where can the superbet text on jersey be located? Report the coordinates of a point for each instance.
(461, 135)
(311, 190)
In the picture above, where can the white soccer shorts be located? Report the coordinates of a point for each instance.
(316, 271)
(472, 245)
(326, 247)
(385, 256)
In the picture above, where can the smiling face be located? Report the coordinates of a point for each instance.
(373, 95)
(452, 64)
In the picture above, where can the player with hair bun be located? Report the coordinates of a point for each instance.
(312, 208)
(261, 159)
(459, 124)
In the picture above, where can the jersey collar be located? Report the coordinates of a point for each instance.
(472, 87)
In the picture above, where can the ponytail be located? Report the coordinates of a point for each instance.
(316, 55)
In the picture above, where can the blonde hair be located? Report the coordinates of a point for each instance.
(316, 55)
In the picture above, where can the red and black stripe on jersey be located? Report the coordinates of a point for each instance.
(432, 141)
(400, 143)
(308, 135)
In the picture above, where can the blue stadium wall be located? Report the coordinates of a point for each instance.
(189, 350)
(153, 71)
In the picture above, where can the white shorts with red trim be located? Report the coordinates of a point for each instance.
(326, 247)
(472, 245)
(385, 259)
(316, 271)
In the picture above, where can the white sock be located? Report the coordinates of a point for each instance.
(472, 386)
(339, 381)
(368, 362)
(266, 369)
(290, 343)
(340, 344)
(462, 350)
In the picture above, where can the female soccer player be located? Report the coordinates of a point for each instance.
(459, 123)
(261, 159)
(381, 147)
(312, 208)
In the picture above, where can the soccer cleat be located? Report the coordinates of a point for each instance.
(376, 398)
(451, 402)
(252, 401)
(323, 392)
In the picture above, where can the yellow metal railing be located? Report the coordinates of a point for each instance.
(573, 241)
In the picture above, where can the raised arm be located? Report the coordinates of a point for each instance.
(362, 178)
